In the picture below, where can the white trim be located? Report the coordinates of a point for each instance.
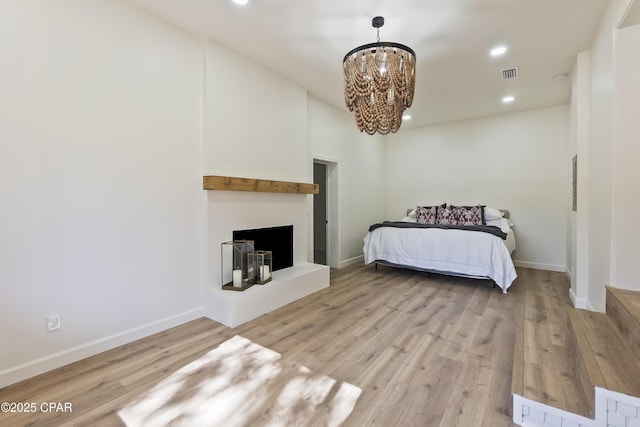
(520, 402)
(44, 364)
(601, 406)
(333, 210)
(352, 261)
(522, 406)
(540, 266)
(569, 272)
(617, 396)
(579, 302)
(603, 396)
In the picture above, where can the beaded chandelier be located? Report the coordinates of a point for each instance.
(379, 79)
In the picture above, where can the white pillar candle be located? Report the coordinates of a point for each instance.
(237, 278)
(265, 274)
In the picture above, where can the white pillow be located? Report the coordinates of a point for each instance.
(492, 213)
(409, 219)
(412, 214)
(504, 224)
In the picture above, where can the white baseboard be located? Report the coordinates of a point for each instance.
(572, 297)
(540, 266)
(569, 272)
(579, 302)
(352, 261)
(44, 364)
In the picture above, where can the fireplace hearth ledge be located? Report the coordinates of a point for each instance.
(287, 285)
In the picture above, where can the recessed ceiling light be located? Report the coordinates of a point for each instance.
(241, 2)
(508, 99)
(498, 51)
(406, 117)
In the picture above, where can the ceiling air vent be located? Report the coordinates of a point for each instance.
(510, 73)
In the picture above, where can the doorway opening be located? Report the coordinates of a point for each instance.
(320, 214)
(325, 214)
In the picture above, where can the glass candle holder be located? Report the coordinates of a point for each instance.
(238, 264)
(263, 266)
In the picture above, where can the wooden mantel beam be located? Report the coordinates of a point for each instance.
(229, 183)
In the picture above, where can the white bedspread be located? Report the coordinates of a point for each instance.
(451, 251)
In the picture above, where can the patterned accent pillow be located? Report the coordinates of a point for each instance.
(469, 215)
(426, 214)
(445, 216)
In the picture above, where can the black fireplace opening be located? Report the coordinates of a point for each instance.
(278, 240)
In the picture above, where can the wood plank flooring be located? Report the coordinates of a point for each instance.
(548, 371)
(426, 350)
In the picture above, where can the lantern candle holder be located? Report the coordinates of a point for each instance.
(263, 266)
(238, 265)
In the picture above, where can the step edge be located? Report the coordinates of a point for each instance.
(585, 383)
(624, 316)
(622, 343)
(631, 309)
(582, 340)
(517, 373)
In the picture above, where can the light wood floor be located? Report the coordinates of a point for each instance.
(425, 350)
(544, 370)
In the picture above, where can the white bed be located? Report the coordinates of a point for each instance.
(458, 252)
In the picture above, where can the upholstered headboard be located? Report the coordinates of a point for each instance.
(505, 212)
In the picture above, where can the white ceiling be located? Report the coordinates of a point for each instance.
(306, 40)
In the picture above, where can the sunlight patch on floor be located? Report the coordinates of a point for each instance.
(241, 383)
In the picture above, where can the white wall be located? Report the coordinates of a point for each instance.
(606, 234)
(103, 115)
(600, 152)
(255, 121)
(100, 180)
(626, 152)
(514, 161)
(333, 136)
(255, 127)
(578, 245)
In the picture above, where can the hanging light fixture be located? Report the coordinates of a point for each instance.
(379, 79)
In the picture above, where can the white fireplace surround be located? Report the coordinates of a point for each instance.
(233, 210)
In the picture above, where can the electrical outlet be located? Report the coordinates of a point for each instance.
(53, 322)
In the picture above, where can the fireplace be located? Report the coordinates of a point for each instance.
(278, 240)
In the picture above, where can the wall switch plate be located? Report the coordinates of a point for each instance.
(53, 322)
